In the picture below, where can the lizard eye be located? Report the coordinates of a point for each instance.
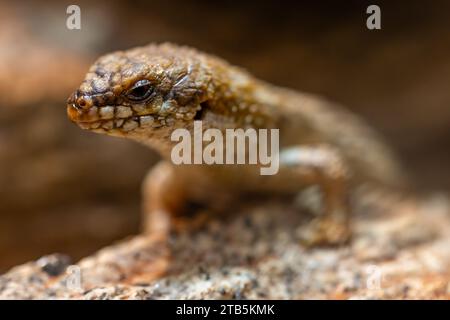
(140, 91)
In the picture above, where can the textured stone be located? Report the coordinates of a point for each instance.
(256, 254)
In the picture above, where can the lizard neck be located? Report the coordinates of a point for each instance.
(238, 100)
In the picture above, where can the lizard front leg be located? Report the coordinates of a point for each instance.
(322, 166)
(162, 197)
(166, 200)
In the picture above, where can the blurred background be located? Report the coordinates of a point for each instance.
(66, 190)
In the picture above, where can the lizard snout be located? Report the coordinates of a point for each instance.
(79, 107)
(73, 108)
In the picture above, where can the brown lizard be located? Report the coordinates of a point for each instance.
(147, 92)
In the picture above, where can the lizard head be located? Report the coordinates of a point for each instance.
(141, 92)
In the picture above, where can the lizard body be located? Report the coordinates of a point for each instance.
(147, 92)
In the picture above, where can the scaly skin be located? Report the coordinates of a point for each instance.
(321, 144)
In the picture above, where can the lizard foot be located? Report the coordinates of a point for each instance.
(183, 224)
(325, 231)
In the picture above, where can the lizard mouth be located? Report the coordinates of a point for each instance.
(124, 124)
(111, 117)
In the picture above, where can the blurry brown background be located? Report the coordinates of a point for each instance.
(66, 190)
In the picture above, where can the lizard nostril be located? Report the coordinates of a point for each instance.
(83, 103)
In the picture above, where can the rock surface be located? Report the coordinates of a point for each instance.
(256, 254)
